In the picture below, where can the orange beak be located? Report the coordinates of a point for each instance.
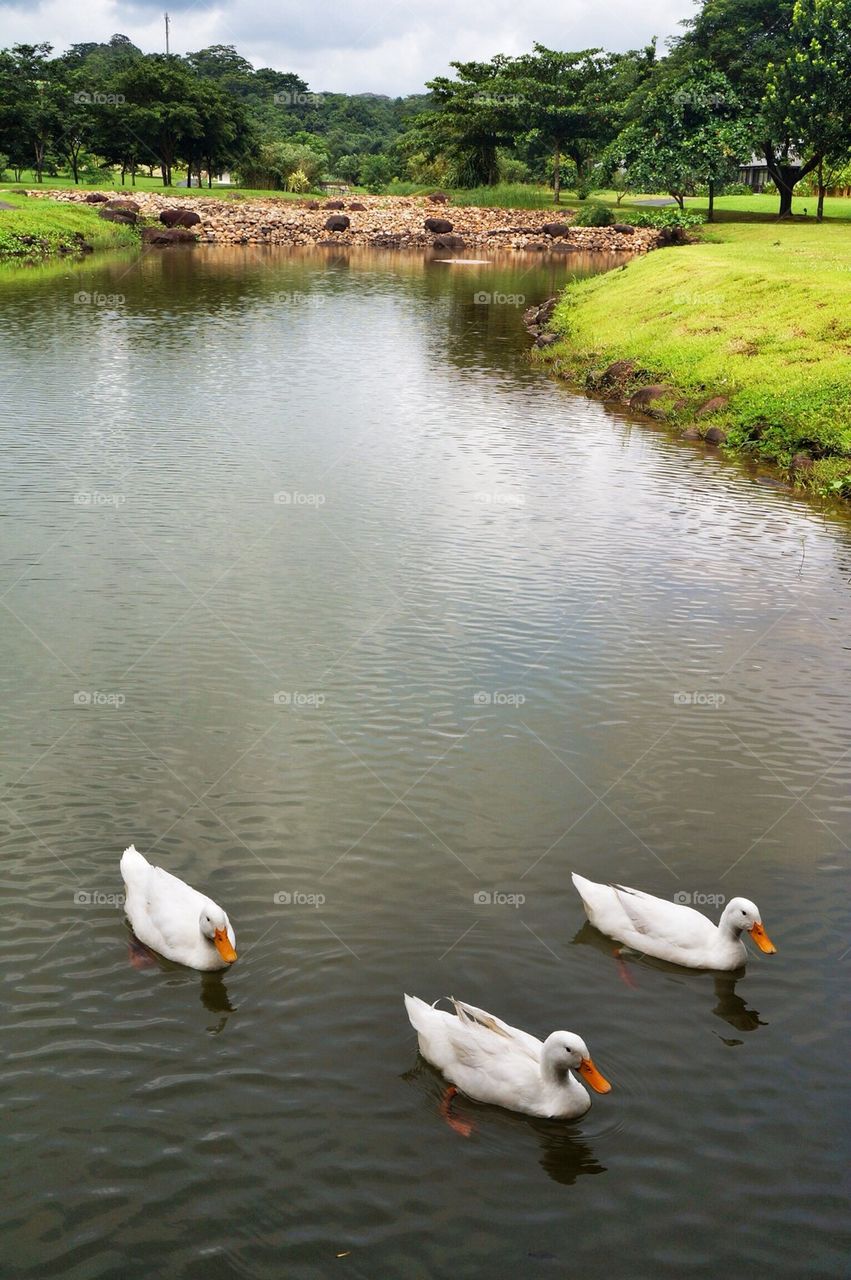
(590, 1073)
(223, 946)
(762, 939)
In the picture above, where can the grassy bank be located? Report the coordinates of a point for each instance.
(36, 229)
(757, 313)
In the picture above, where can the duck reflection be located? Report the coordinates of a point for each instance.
(215, 998)
(565, 1156)
(729, 1006)
(212, 991)
(564, 1153)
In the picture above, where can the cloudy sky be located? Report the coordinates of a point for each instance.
(383, 46)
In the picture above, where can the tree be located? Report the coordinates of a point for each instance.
(159, 105)
(347, 168)
(557, 104)
(751, 42)
(224, 137)
(29, 119)
(472, 116)
(809, 95)
(376, 172)
(687, 130)
(73, 105)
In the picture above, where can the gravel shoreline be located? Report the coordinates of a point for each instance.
(379, 221)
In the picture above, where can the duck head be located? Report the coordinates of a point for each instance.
(741, 915)
(214, 926)
(563, 1052)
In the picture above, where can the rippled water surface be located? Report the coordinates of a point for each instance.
(316, 590)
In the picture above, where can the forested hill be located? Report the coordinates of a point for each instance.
(349, 135)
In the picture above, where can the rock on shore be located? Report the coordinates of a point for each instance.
(381, 221)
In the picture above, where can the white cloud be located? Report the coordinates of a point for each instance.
(358, 47)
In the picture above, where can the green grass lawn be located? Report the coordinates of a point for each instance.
(38, 228)
(757, 311)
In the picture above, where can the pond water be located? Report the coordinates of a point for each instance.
(316, 590)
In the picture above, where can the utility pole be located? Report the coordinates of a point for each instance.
(166, 35)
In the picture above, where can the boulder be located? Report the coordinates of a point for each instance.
(617, 373)
(716, 435)
(439, 197)
(448, 242)
(625, 228)
(334, 204)
(535, 318)
(311, 204)
(337, 222)
(671, 235)
(645, 396)
(440, 226)
(536, 246)
(179, 218)
(123, 206)
(95, 197)
(712, 406)
(357, 207)
(118, 215)
(546, 339)
(555, 229)
(167, 235)
(690, 433)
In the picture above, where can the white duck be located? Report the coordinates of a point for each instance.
(492, 1062)
(173, 919)
(670, 931)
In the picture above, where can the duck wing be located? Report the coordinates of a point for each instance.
(494, 1035)
(673, 923)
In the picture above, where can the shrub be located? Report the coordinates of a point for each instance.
(511, 169)
(298, 181)
(276, 161)
(595, 215)
(666, 218)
